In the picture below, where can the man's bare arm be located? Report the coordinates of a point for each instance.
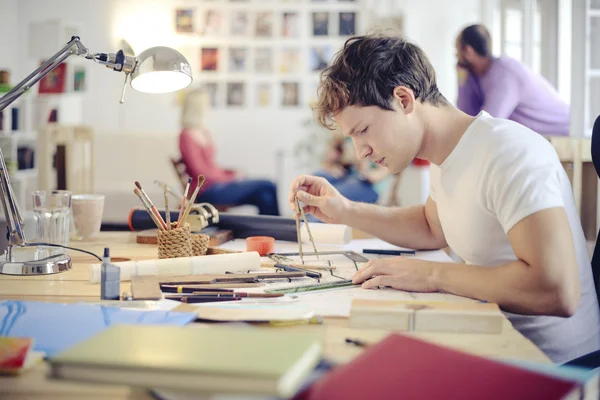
(543, 281)
(416, 227)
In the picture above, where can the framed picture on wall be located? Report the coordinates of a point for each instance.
(320, 21)
(55, 81)
(320, 57)
(263, 94)
(239, 23)
(209, 59)
(184, 20)
(263, 60)
(347, 24)
(290, 24)
(213, 21)
(79, 79)
(212, 88)
(238, 57)
(290, 94)
(264, 24)
(289, 60)
(236, 94)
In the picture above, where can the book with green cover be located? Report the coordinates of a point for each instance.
(199, 359)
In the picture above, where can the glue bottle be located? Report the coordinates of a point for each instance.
(110, 278)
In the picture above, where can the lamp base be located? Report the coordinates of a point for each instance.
(33, 260)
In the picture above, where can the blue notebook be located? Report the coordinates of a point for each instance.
(56, 327)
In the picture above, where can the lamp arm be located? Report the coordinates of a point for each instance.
(14, 219)
(118, 62)
(43, 70)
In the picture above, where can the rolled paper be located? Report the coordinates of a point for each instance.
(246, 225)
(326, 233)
(213, 264)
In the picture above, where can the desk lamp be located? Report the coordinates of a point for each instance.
(155, 70)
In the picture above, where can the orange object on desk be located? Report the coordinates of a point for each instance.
(261, 244)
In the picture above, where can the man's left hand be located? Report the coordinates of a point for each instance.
(399, 273)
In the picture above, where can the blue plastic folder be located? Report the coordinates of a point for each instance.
(55, 327)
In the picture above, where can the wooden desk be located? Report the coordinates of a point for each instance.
(74, 286)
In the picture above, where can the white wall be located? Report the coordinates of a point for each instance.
(8, 38)
(433, 24)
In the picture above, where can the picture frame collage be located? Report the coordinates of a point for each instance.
(262, 53)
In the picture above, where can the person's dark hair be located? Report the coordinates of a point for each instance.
(366, 71)
(478, 37)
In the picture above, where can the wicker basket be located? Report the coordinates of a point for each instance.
(176, 242)
(200, 243)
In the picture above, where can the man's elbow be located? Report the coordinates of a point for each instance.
(565, 301)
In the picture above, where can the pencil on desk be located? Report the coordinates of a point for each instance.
(187, 289)
(202, 299)
(249, 295)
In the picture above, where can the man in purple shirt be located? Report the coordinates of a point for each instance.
(505, 88)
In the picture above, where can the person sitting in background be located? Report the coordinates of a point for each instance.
(505, 88)
(222, 187)
(357, 180)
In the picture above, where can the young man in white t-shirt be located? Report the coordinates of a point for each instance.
(500, 198)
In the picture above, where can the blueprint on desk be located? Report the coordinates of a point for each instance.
(55, 326)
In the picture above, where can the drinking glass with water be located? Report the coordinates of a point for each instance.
(52, 215)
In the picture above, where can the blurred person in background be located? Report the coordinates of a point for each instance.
(223, 187)
(506, 88)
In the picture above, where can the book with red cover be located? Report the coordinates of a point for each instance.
(403, 367)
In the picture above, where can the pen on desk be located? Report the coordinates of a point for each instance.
(210, 295)
(207, 299)
(356, 342)
(243, 294)
(289, 268)
(390, 252)
(185, 289)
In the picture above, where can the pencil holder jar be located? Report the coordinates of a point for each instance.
(176, 242)
(200, 243)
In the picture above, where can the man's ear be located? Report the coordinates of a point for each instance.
(404, 98)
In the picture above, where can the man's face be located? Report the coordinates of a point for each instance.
(389, 138)
(461, 55)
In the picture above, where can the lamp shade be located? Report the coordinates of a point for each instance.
(160, 70)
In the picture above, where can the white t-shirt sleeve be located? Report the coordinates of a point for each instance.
(434, 178)
(520, 185)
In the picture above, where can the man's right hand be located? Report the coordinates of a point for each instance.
(320, 199)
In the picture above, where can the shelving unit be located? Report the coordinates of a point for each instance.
(24, 119)
(17, 132)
